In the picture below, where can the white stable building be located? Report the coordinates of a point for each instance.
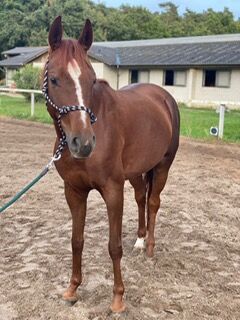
(202, 70)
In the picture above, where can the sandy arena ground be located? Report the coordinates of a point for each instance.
(195, 273)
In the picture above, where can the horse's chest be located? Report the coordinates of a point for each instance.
(75, 172)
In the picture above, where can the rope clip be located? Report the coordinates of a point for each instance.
(54, 159)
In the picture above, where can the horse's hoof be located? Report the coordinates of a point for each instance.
(149, 251)
(140, 243)
(70, 296)
(118, 307)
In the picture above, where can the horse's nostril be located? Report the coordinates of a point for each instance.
(86, 149)
(75, 143)
(80, 147)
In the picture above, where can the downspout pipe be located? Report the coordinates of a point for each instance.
(118, 62)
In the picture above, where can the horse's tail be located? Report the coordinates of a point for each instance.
(175, 117)
(149, 180)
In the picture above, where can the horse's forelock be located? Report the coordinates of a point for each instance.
(68, 50)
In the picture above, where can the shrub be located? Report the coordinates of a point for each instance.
(2, 76)
(29, 77)
(2, 82)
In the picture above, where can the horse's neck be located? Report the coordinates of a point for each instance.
(103, 96)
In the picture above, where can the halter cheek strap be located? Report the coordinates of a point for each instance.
(63, 110)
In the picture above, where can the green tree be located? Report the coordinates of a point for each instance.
(25, 23)
(171, 20)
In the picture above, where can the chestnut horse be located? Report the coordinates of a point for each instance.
(135, 138)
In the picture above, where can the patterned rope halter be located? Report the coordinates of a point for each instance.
(62, 111)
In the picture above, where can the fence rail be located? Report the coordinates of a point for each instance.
(32, 92)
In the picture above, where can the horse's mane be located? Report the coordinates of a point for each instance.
(103, 81)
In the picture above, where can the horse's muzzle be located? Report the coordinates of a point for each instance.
(81, 147)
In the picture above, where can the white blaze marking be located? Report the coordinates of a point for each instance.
(140, 243)
(75, 72)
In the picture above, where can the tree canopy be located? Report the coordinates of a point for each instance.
(26, 23)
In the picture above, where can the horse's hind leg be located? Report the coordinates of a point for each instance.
(140, 188)
(156, 185)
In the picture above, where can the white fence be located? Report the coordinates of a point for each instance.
(32, 92)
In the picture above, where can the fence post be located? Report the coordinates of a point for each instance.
(221, 121)
(32, 104)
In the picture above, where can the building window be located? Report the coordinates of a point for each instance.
(141, 76)
(134, 76)
(216, 78)
(169, 78)
(210, 78)
(175, 78)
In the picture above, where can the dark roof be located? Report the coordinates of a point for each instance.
(218, 50)
(23, 50)
(21, 56)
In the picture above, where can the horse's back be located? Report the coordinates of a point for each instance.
(152, 94)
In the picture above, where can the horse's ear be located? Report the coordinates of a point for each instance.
(55, 33)
(86, 37)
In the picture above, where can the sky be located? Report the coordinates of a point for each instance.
(197, 5)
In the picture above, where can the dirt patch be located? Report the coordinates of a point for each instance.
(193, 275)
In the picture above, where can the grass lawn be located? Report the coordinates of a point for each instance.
(18, 107)
(195, 122)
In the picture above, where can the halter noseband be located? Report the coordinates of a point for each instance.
(62, 111)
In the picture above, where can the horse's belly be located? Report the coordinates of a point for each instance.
(145, 154)
(141, 166)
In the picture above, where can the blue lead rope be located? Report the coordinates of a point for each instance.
(28, 186)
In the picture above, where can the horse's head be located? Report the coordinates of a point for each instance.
(70, 79)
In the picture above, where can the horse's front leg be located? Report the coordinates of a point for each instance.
(77, 204)
(113, 196)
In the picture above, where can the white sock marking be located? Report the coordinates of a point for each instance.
(75, 72)
(140, 243)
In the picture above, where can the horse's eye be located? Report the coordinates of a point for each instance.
(54, 81)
